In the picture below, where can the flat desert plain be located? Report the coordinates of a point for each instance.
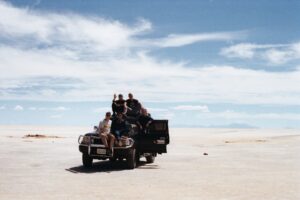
(240, 164)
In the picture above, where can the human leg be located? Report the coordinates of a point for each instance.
(104, 139)
(111, 140)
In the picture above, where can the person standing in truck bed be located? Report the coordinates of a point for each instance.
(133, 106)
(118, 106)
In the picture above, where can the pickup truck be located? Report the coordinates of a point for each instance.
(136, 146)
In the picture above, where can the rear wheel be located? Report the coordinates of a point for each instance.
(150, 159)
(87, 161)
(131, 159)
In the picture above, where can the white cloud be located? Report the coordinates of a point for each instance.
(151, 79)
(102, 110)
(164, 115)
(281, 56)
(243, 50)
(161, 113)
(176, 40)
(274, 54)
(56, 116)
(52, 28)
(59, 108)
(73, 58)
(157, 110)
(2, 107)
(59, 38)
(77, 37)
(18, 108)
(201, 108)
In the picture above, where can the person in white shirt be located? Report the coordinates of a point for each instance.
(107, 138)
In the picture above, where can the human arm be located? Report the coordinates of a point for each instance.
(114, 100)
(125, 108)
(139, 124)
(150, 120)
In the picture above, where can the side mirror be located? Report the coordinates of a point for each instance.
(96, 128)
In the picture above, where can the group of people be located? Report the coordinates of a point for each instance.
(115, 126)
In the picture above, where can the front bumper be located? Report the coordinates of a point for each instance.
(92, 149)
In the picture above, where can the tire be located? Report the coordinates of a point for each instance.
(113, 159)
(87, 161)
(131, 159)
(137, 158)
(150, 159)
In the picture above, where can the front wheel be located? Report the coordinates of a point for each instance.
(87, 161)
(131, 159)
(150, 159)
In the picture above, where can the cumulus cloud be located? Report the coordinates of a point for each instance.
(85, 37)
(53, 29)
(274, 54)
(176, 40)
(201, 108)
(281, 56)
(157, 110)
(59, 108)
(156, 81)
(75, 58)
(56, 116)
(18, 108)
(243, 50)
(164, 115)
(102, 109)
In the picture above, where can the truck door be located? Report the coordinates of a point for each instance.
(156, 140)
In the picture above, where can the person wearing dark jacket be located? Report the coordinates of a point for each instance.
(119, 126)
(133, 106)
(144, 121)
(119, 106)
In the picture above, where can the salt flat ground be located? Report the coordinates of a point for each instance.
(241, 164)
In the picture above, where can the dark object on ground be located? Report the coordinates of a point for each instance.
(205, 154)
(39, 136)
(136, 146)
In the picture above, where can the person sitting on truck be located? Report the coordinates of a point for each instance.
(119, 127)
(107, 138)
(118, 105)
(144, 121)
(133, 106)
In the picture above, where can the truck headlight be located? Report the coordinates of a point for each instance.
(85, 140)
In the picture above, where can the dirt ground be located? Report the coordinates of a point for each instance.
(200, 164)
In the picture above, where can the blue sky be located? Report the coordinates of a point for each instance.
(197, 63)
